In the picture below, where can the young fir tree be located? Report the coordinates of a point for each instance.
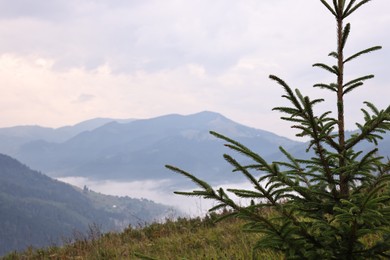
(332, 206)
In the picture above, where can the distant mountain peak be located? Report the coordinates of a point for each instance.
(208, 114)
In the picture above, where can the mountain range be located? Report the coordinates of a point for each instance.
(129, 150)
(139, 149)
(11, 138)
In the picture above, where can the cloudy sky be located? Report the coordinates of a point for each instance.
(64, 61)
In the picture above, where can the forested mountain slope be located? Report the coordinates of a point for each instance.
(37, 210)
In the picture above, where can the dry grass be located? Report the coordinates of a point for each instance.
(181, 239)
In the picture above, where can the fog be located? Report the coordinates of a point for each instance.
(160, 191)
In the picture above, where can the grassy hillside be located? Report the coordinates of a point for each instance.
(182, 239)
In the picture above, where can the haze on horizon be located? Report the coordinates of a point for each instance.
(65, 61)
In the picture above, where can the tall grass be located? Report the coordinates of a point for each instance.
(196, 238)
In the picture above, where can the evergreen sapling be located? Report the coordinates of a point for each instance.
(334, 205)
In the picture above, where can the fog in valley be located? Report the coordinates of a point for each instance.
(160, 191)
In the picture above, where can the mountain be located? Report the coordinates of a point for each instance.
(11, 138)
(139, 149)
(38, 211)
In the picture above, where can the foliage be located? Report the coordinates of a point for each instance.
(328, 206)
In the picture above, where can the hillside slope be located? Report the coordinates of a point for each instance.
(39, 211)
(182, 239)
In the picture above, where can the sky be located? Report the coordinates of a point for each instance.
(65, 61)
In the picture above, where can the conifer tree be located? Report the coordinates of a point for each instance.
(334, 205)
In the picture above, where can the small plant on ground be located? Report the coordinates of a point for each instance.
(334, 205)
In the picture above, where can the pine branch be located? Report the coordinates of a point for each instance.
(379, 122)
(336, 7)
(326, 67)
(197, 181)
(346, 32)
(333, 54)
(358, 80)
(353, 9)
(352, 87)
(250, 177)
(331, 87)
(328, 7)
(350, 5)
(362, 52)
(290, 94)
